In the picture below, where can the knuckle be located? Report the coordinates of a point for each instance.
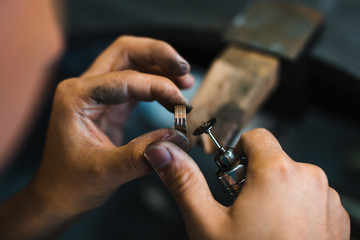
(282, 165)
(339, 215)
(317, 176)
(123, 38)
(320, 176)
(63, 86)
(64, 90)
(334, 196)
(161, 45)
(279, 168)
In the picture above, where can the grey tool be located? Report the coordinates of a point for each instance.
(232, 165)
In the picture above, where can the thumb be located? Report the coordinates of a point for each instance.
(128, 162)
(183, 178)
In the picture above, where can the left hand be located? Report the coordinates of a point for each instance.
(82, 164)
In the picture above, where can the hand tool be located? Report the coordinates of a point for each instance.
(232, 165)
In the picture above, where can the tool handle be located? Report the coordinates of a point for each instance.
(232, 180)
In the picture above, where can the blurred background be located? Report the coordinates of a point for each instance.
(320, 124)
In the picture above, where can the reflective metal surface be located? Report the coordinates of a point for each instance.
(232, 180)
(232, 166)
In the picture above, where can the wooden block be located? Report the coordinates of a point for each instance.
(237, 83)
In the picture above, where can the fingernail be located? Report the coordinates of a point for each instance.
(159, 157)
(179, 140)
(189, 107)
(181, 60)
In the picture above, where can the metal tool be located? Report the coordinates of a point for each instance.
(232, 165)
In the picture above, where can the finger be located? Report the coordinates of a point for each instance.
(128, 162)
(264, 153)
(338, 217)
(156, 53)
(186, 183)
(128, 52)
(119, 87)
(183, 82)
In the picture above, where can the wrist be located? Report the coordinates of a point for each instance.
(35, 214)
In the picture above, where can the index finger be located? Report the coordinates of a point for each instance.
(120, 87)
(130, 52)
(263, 151)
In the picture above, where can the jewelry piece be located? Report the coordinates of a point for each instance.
(180, 118)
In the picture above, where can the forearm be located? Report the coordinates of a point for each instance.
(30, 215)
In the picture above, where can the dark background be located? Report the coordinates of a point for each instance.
(320, 127)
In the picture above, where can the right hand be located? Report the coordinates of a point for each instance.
(281, 198)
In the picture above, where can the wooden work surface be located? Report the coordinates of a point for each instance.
(236, 84)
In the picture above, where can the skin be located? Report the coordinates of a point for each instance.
(82, 164)
(84, 161)
(30, 43)
(281, 199)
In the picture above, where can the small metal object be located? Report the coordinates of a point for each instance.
(232, 165)
(180, 118)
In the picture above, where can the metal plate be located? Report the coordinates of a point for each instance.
(277, 27)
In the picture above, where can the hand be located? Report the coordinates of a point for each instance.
(82, 164)
(281, 199)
